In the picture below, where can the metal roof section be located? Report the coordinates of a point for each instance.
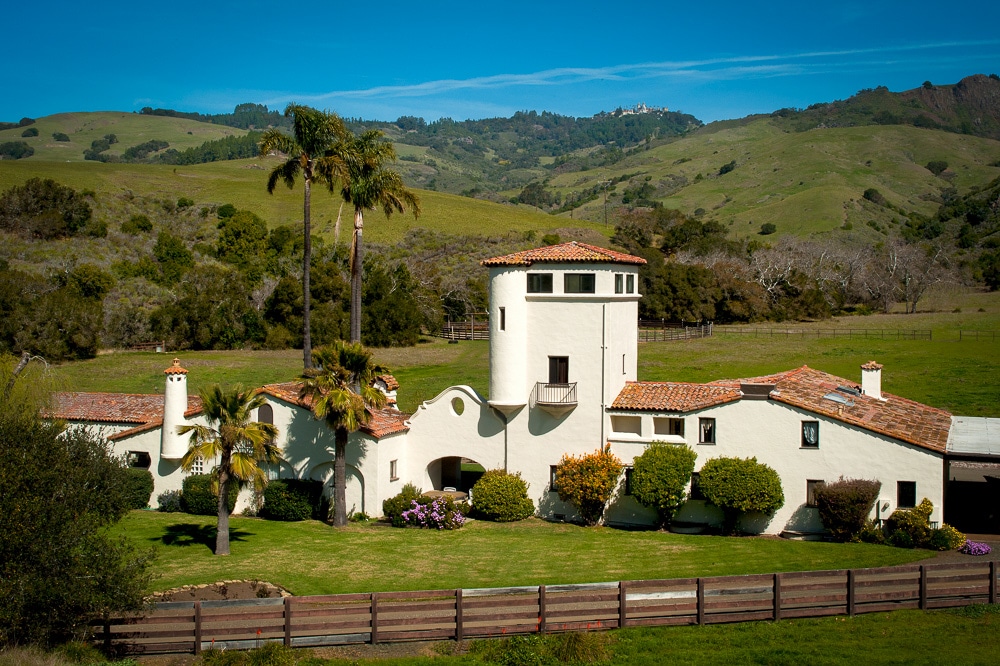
(974, 436)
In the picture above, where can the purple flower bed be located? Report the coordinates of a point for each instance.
(435, 515)
(975, 548)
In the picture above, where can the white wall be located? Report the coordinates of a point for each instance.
(772, 432)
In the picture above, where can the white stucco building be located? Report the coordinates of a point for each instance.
(563, 358)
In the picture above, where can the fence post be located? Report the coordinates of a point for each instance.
(777, 596)
(993, 582)
(850, 592)
(374, 604)
(622, 610)
(288, 622)
(923, 588)
(701, 601)
(458, 615)
(541, 609)
(197, 627)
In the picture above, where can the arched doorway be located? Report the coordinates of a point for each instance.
(454, 472)
(355, 485)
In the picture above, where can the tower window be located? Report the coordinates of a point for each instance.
(503, 319)
(539, 283)
(619, 283)
(579, 283)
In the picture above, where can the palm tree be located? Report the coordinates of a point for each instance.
(310, 152)
(367, 185)
(240, 445)
(342, 395)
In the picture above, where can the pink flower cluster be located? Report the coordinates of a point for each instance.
(434, 515)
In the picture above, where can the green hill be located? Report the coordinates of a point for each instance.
(130, 129)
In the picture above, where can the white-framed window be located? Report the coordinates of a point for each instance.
(579, 283)
(539, 283)
(619, 283)
(810, 434)
(812, 485)
(393, 471)
(629, 284)
(706, 431)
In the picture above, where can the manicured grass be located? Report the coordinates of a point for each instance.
(312, 558)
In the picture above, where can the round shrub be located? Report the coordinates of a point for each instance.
(946, 537)
(31, 131)
(740, 485)
(292, 499)
(660, 476)
(844, 506)
(502, 497)
(198, 498)
(587, 482)
(138, 488)
(910, 528)
(169, 501)
(394, 507)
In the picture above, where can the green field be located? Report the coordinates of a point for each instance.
(962, 377)
(310, 557)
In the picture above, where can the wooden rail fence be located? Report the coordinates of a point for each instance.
(669, 333)
(459, 614)
(872, 333)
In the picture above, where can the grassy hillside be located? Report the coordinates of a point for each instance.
(130, 128)
(803, 182)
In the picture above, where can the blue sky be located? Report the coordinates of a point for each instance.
(476, 60)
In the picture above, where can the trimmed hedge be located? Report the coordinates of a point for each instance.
(138, 488)
(293, 499)
(197, 496)
(740, 485)
(844, 506)
(501, 497)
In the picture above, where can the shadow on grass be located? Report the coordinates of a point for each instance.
(190, 534)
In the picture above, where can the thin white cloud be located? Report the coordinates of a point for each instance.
(703, 70)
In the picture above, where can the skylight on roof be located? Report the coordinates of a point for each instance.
(839, 399)
(850, 390)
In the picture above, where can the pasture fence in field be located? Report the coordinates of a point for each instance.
(868, 333)
(381, 617)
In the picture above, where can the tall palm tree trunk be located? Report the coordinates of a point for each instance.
(306, 261)
(222, 533)
(356, 271)
(340, 478)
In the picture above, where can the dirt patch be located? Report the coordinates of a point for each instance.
(227, 589)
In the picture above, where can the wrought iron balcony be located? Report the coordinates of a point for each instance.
(556, 399)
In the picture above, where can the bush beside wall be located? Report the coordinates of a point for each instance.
(139, 487)
(502, 497)
(293, 499)
(197, 496)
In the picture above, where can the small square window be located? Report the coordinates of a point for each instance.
(906, 494)
(706, 431)
(552, 478)
(629, 284)
(139, 459)
(393, 475)
(198, 466)
(619, 283)
(812, 485)
(539, 283)
(696, 493)
(810, 434)
(578, 283)
(628, 481)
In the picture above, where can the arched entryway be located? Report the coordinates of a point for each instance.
(355, 485)
(454, 472)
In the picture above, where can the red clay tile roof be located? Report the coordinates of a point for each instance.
(899, 418)
(572, 252)
(383, 422)
(391, 383)
(672, 396)
(871, 365)
(175, 369)
(113, 407)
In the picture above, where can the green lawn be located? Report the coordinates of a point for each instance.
(312, 558)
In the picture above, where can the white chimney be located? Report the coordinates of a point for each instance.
(871, 380)
(175, 402)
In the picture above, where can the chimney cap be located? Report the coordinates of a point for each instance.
(175, 369)
(871, 365)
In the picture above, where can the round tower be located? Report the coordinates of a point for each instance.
(508, 339)
(173, 446)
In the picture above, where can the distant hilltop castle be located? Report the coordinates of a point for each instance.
(635, 110)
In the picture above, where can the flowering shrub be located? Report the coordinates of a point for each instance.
(587, 482)
(976, 548)
(946, 537)
(440, 514)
